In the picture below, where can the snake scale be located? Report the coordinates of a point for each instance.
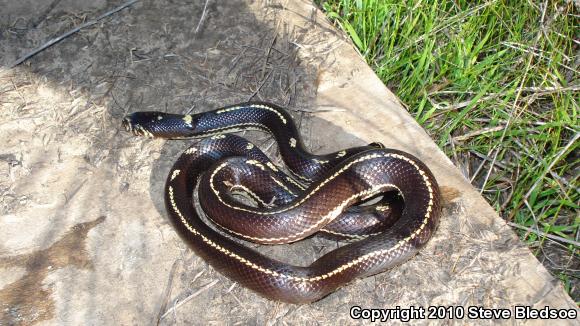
(322, 195)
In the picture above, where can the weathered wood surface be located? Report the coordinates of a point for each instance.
(85, 238)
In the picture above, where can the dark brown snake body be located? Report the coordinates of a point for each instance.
(321, 197)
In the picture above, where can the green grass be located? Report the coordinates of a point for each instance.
(496, 85)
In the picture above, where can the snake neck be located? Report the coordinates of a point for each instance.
(270, 118)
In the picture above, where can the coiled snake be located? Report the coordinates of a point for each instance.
(320, 197)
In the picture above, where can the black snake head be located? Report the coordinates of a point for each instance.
(153, 124)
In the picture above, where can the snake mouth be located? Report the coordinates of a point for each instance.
(133, 128)
(127, 124)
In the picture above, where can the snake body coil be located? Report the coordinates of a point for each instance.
(320, 197)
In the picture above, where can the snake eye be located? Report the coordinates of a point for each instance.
(377, 145)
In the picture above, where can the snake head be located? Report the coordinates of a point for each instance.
(158, 124)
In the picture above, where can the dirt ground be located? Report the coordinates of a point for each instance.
(85, 236)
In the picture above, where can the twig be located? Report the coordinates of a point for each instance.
(461, 105)
(261, 85)
(231, 287)
(542, 90)
(484, 157)
(478, 132)
(537, 54)
(236, 59)
(508, 198)
(167, 291)
(268, 51)
(202, 16)
(563, 182)
(69, 33)
(543, 234)
(536, 91)
(193, 295)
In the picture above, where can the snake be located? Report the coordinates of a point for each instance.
(322, 194)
